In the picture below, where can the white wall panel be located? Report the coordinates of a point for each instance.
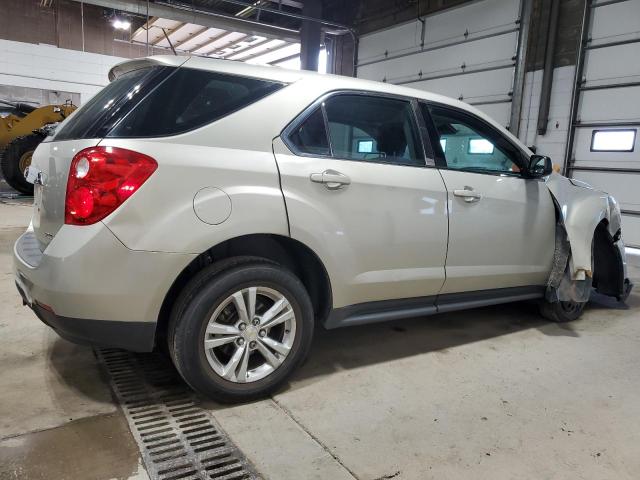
(620, 104)
(612, 64)
(479, 18)
(484, 53)
(615, 22)
(473, 87)
(467, 52)
(500, 112)
(458, 24)
(389, 42)
(52, 68)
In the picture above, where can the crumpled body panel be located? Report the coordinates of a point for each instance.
(581, 208)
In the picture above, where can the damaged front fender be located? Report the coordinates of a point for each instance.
(590, 219)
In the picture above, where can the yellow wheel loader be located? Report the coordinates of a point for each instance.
(21, 130)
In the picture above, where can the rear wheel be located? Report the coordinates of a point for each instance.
(562, 311)
(15, 160)
(237, 333)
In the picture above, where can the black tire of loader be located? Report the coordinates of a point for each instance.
(10, 163)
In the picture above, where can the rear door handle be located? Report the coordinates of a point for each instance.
(332, 179)
(468, 195)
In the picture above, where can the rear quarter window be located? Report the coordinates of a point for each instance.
(107, 107)
(189, 99)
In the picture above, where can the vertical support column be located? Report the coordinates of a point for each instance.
(577, 83)
(310, 35)
(547, 73)
(344, 55)
(526, 7)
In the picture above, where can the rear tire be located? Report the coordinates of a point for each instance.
(208, 331)
(561, 312)
(16, 158)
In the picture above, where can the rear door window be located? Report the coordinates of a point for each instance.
(189, 99)
(373, 129)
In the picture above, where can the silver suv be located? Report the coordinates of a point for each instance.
(222, 210)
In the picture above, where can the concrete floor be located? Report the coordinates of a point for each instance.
(493, 393)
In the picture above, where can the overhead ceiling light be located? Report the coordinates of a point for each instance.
(121, 24)
(246, 11)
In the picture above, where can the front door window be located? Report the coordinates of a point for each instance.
(469, 144)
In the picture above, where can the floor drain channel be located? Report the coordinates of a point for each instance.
(178, 440)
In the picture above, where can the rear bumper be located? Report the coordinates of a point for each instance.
(91, 289)
(134, 336)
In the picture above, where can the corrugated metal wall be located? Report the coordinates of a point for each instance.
(468, 52)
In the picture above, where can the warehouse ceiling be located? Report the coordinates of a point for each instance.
(200, 40)
(253, 11)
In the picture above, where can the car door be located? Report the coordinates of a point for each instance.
(501, 224)
(360, 192)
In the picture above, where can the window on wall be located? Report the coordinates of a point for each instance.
(365, 146)
(375, 129)
(480, 146)
(613, 140)
(470, 144)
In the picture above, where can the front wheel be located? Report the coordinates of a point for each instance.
(561, 311)
(236, 334)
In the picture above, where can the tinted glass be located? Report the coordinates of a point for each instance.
(374, 129)
(189, 99)
(470, 144)
(311, 136)
(99, 114)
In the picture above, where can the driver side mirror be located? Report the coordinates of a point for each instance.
(539, 166)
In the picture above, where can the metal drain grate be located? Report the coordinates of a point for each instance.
(178, 440)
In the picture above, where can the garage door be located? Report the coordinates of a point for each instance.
(469, 53)
(604, 145)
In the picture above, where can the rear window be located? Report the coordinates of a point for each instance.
(161, 101)
(106, 108)
(189, 99)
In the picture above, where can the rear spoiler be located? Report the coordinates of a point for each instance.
(138, 63)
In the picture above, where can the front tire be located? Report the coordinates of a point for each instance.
(239, 329)
(561, 312)
(16, 158)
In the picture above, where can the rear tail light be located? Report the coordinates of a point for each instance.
(101, 179)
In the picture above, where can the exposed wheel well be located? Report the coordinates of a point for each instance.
(608, 271)
(285, 251)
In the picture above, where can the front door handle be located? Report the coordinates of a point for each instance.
(468, 195)
(332, 179)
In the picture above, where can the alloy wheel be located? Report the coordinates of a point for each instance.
(250, 334)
